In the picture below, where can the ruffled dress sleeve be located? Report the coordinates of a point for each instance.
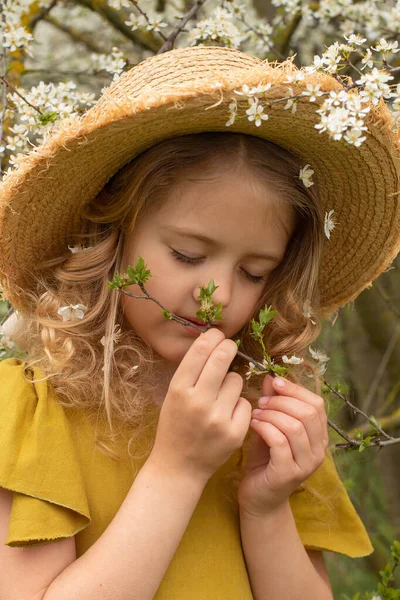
(325, 516)
(38, 460)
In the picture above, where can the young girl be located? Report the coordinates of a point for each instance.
(131, 465)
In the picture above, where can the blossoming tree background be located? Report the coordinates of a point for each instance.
(56, 58)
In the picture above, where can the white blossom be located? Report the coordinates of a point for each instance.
(249, 372)
(386, 47)
(305, 175)
(319, 355)
(312, 91)
(79, 248)
(355, 38)
(296, 77)
(293, 360)
(308, 311)
(256, 112)
(135, 21)
(155, 24)
(366, 60)
(329, 223)
(291, 103)
(72, 311)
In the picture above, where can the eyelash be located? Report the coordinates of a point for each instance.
(196, 261)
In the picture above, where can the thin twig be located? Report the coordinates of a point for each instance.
(14, 89)
(192, 13)
(381, 368)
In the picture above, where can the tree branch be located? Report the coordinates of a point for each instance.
(144, 39)
(75, 35)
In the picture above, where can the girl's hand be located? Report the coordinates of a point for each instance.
(291, 436)
(203, 419)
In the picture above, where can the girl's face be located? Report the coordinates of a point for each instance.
(241, 219)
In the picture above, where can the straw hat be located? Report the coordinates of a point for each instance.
(186, 91)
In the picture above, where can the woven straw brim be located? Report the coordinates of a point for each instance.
(174, 94)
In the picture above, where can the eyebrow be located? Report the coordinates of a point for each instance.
(204, 238)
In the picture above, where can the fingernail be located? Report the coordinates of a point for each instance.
(256, 411)
(263, 401)
(279, 382)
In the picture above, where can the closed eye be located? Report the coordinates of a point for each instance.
(196, 261)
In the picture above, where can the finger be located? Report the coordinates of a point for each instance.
(267, 387)
(215, 370)
(306, 447)
(228, 396)
(307, 414)
(284, 387)
(195, 359)
(279, 448)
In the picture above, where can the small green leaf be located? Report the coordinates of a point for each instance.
(279, 370)
(49, 117)
(167, 315)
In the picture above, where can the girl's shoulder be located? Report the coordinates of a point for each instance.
(39, 461)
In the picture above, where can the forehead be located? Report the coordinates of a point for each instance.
(232, 201)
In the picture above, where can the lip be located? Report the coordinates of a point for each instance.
(195, 322)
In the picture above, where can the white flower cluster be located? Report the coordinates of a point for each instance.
(218, 28)
(57, 101)
(14, 34)
(112, 63)
(72, 312)
(342, 113)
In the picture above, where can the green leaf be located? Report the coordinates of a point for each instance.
(279, 370)
(167, 315)
(266, 315)
(49, 117)
(139, 274)
(116, 282)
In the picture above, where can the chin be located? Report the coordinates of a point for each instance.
(173, 351)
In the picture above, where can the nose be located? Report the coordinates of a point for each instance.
(223, 293)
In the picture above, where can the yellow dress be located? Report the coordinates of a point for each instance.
(64, 486)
